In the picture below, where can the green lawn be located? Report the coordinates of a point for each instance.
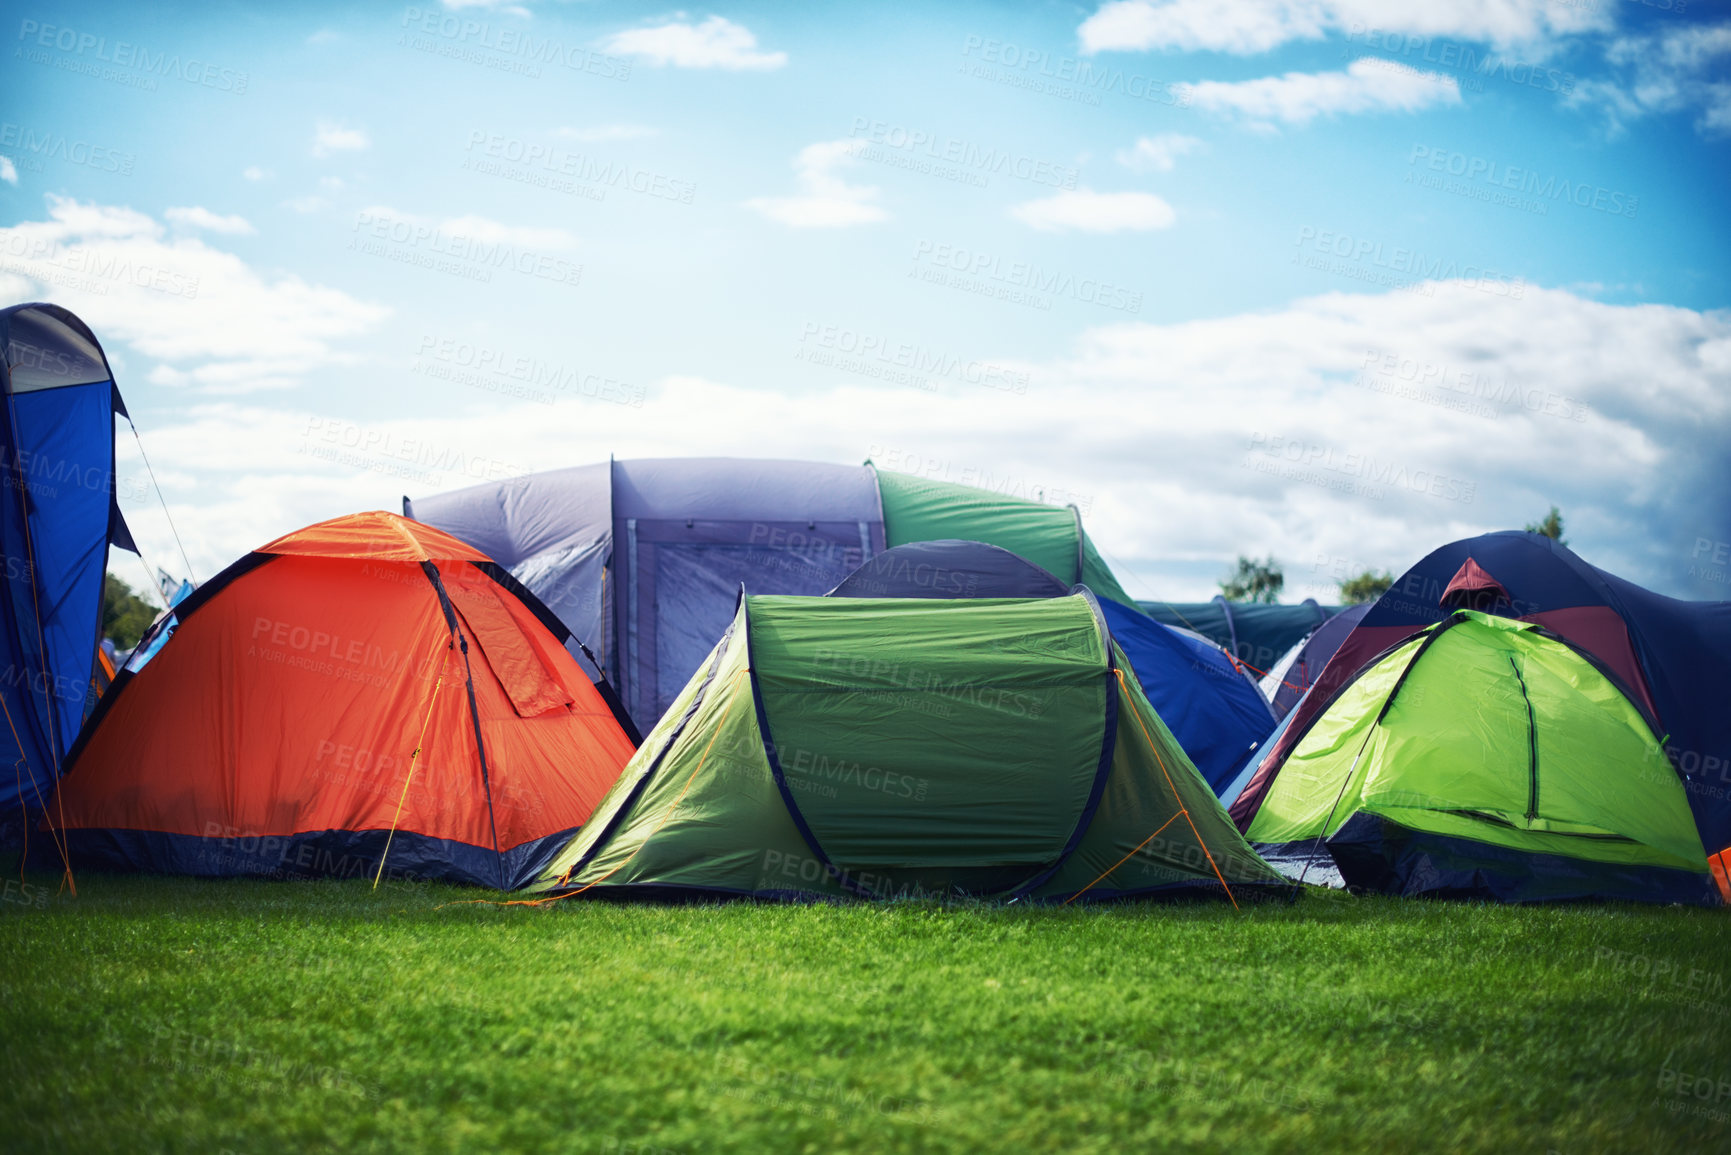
(158, 1014)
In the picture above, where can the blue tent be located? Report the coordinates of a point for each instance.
(644, 559)
(57, 518)
(1208, 702)
(1211, 707)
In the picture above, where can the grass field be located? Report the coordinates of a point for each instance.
(155, 1014)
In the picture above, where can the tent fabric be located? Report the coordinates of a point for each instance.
(1484, 730)
(57, 518)
(1286, 682)
(366, 681)
(949, 569)
(1217, 713)
(1049, 536)
(1472, 586)
(1673, 656)
(1256, 634)
(878, 748)
(642, 559)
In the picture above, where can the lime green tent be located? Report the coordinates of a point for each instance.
(1488, 756)
(1050, 536)
(886, 747)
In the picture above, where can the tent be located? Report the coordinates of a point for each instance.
(57, 518)
(1255, 633)
(1489, 757)
(367, 694)
(1288, 679)
(1674, 656)
(878, 748)
(1215, 711)
(642, 558)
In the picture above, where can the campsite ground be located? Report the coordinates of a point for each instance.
(174, 1015)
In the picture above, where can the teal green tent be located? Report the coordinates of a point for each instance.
(1487, 756)
(884, 747)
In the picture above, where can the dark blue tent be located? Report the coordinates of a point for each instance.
(949, 569)
(57, 518)
(1214, 710)
(1288, 679)
(1675, 656)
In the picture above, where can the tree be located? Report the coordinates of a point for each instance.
(1551, 526)
(1366, 587)
(1254, 581)
(125, 615)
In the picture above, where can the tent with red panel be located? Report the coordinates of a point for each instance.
(366, 697)
(1673, 657)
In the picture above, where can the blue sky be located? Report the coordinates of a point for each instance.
(1300, 277)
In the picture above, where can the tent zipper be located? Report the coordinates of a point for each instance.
(1532, 746)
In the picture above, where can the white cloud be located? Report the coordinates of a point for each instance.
(828, 201)
(1679, 69)
(198, 217)
(1157, 153)
(716, 43)
(1369, 84)
(1251, 26)
(253, 172)
(306, 204)
(8, 171)
(201, 312)
(1084, 210)
(331, 136)
(605, 132)
(494, 5)
(1162, 428)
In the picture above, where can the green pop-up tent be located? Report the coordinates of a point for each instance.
(886, 747)
(1487, 756)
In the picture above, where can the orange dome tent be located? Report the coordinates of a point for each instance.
(368, 696)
